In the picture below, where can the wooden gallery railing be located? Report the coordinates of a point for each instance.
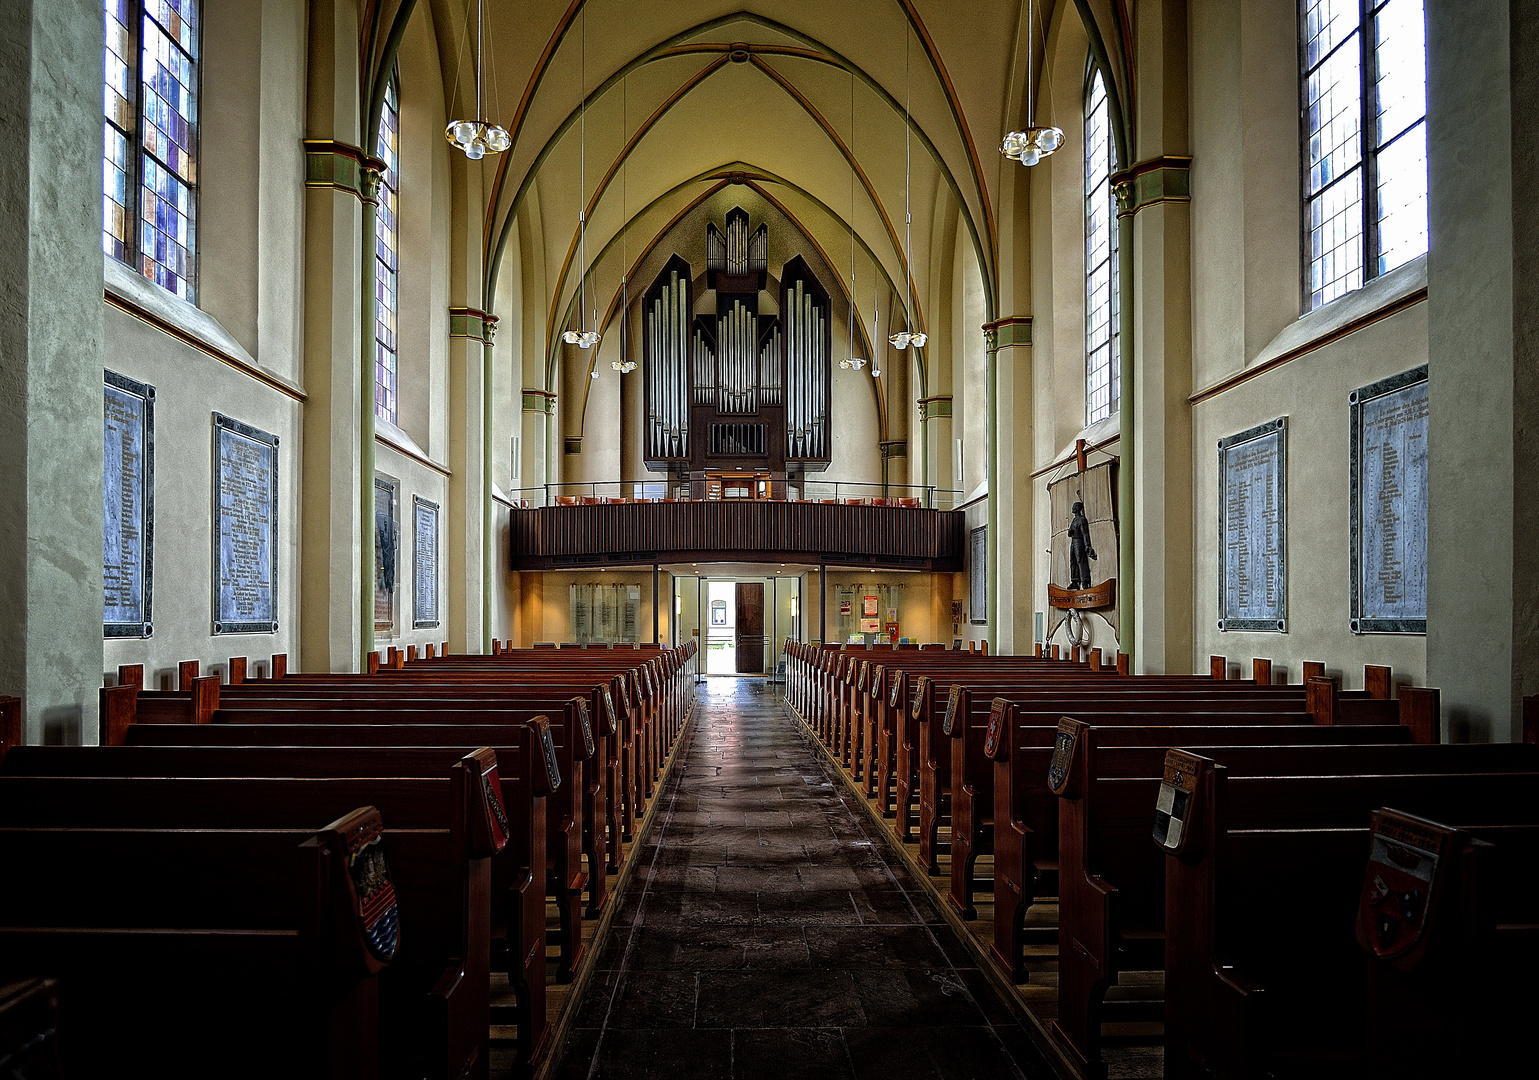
(909, 538)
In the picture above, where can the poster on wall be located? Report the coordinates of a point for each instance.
(1253, 529)
(1389, 505)
(868, 605)
(1083, 553)
(128, 505)
(245, 528)
(871, 626)
(978, 576)
(846, 608)
(424, 563)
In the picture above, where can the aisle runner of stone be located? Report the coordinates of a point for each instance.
(765, 934)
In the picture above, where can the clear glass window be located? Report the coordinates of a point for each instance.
(386, 258)
(1365, 146)
(1103, 376)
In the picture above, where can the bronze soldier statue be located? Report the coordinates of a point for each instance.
(1079, 549)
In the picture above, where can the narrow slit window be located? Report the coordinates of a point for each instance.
(387, 235)
(150, 139)
(1103, 375)
(1364, 98)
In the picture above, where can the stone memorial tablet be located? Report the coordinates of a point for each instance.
(978, 575)
(128, 504)
(1389, 505)
(1252, 529)
(245, 528)
(425, 563)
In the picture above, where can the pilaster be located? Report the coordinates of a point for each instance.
(51, 366)
(335, 182)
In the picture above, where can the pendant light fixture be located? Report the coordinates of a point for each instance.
(582, 337)
(852, 361)
(478, 137)
(1035, 143)
(876, 327)
(904, 338)
(624, 365)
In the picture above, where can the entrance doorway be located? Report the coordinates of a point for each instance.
(750, 628)
(740, 618)
(734, 628)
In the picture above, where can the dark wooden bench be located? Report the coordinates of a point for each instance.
(435, 1002)
(571, 833)
(1026, 818)
(1448, 919)
(29, 1030)
(521, 782)
(1262, 970)
(195, 953)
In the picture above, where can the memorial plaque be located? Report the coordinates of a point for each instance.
(978, 575)
(245, 529)
(386, 555)
(1252, 529)
(128, 504)
(1389, 505)
(424, 562)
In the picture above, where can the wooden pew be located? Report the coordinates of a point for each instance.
(520, 782)
(191, 953)
(971, 782)
(1448, 920)
(1239, 933)
(435, 1002)
(345, 700)
(29, 1029)
(1026, 809)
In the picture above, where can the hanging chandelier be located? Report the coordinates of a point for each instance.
(582, 337)
(852, 361)
(904, 338)
(625, 365)
(1035, 143)
(477, 138)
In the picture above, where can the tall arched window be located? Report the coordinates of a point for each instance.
(150, 135)
(387, 236)
(1364, 71)
(1103, 371)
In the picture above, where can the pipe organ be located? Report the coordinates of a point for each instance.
(734, 389)
(665, 354)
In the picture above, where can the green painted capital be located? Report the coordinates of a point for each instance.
(931, 408)
(465, 322)
(343, 168)
(539, 401)
(894, 448)
(574, 444)
(1158, 180)
(1007, 333)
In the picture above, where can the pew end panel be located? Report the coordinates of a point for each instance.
(11, 730)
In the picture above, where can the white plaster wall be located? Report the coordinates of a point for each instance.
(190, 386)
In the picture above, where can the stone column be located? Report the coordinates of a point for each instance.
(51, 365)
(336, 183)
(1154, 216)
(466, 625)
(1483, 341)
(1010, 341)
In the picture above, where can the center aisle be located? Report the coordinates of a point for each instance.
(766, 933)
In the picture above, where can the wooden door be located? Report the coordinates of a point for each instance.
(750, 627)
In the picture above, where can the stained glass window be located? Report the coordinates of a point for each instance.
(1103, 375)
(149, 139)
(386, 251)
(1365, 141)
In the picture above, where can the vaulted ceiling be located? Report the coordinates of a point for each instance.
(633, 110)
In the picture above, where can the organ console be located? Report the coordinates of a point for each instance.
(737, 390)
